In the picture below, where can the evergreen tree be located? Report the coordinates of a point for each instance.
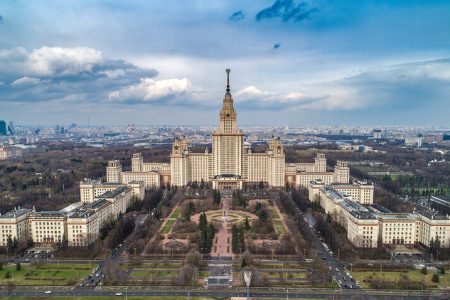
(241, 240)
(258, 206)
(203, 223)
(247, 224)
(210, 236)
(234, 239)
(435, 278)
(263, 216)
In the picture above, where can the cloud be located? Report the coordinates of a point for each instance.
(286, 10)
(397, 87)
(152, 91)
(276, 46)
(26, 81)
(253, 98)
(237, 16)
(53, 73)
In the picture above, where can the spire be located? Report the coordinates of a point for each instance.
(228, 79)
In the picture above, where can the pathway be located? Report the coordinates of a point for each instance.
(222, 239)
(221, 256)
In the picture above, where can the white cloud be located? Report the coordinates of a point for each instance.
(149, 90)
(24, 81)
(64, 61)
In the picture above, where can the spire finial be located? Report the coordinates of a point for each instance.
(228, 79)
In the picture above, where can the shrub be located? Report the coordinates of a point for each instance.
(7, 274)
(424, 270)
(435, 278)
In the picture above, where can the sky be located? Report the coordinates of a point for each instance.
(295, 63)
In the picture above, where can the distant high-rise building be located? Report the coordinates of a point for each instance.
(377, 134)
(6, 128)
(2, 127)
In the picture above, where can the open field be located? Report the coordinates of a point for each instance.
(365, 277)
(51, 274)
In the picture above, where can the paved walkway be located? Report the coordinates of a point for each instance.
(222, 239)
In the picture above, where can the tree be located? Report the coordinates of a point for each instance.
(263, 215)
(246, 224)
(235, 239)
(203, 222)
(241, 240)
(258, 206)
(435, 278)
(442, 269)
(216, 196)
(424, 270)
(18, 267)
(7, 274)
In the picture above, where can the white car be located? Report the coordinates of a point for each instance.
(119, 294)
(47, 292)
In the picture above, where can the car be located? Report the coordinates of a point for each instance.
(48, 292)
(337, 270)
(119, 294)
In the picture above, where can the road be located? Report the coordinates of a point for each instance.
(336, 267)
(100, 271)
(254, 293)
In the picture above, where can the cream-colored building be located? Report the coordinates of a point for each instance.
(230, 164)
(14, 226)
(79, 223)
(83, 226)
(92, 189)
(366, 227)
(7, 152)
(48, 227)
(359, 191)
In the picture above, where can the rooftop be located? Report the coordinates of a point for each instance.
(114, 193)
(16, 213)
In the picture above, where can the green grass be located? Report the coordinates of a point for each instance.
(290, 275)
(414, 275)
(166, 228)
(50, 274)
(273, 213)
(279, 227)
(203, 274)
(176, 213)
(142, 273)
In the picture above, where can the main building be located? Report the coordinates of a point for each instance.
(230, 164)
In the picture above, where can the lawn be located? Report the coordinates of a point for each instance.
(166, 228)
(414, 275)
(175, 213)
(153, 274)
(49, 274)
(279, 227)
(273, 213)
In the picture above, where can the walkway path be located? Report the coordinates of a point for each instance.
(222, 239)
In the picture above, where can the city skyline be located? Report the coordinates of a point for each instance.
(295, 63)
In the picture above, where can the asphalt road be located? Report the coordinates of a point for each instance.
(336, 267)
(211, 293)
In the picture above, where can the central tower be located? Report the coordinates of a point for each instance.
(228, 141)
